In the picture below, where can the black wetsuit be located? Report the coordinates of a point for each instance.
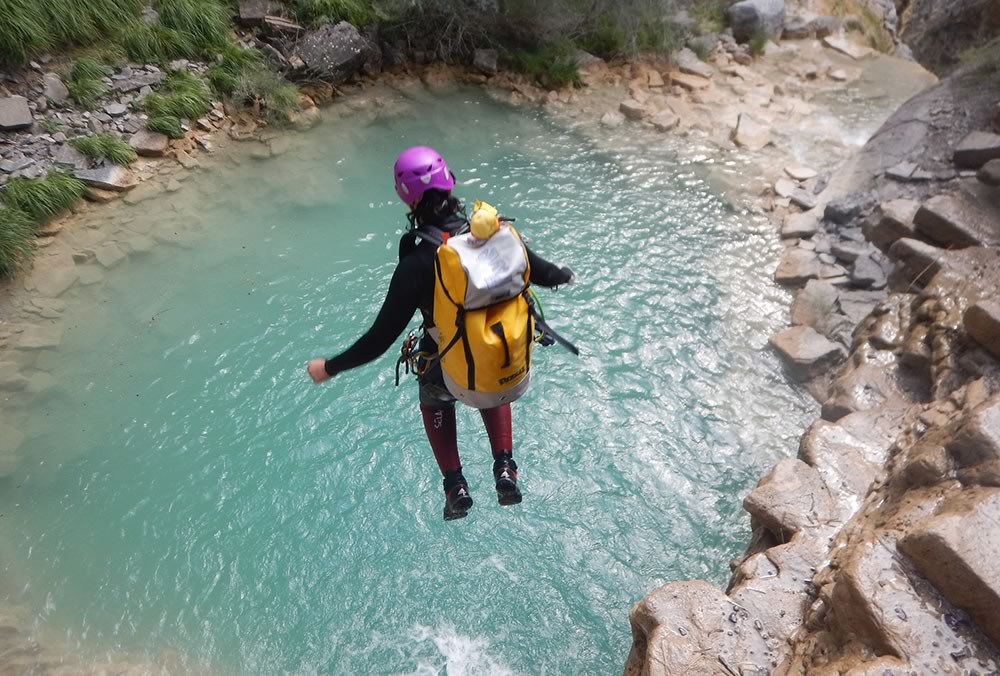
(412, 288)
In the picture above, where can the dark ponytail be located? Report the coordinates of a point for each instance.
(434, 208)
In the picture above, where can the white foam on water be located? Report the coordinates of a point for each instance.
(442, 651)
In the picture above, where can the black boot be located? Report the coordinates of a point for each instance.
(457, 500)
(505, 474)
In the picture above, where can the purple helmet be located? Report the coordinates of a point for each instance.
(418, 170)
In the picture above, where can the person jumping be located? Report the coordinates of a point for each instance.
(424, 184)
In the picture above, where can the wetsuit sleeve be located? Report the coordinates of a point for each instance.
(544, 273)
(400, 303)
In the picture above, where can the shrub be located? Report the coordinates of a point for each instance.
(357, 12)
(165, 124)
(16, 233)
(205, 23)
(183, 96)
(604, 37)
(23, 30)
(653, 34)
(105, 147)
(84, 81)
(224, 76)
(153, 44)
(710, 15)
(275, 95)
(44, 197)
(758, 43)
(554, 65)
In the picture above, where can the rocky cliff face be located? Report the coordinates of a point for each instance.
(875, 551)
(939, 31)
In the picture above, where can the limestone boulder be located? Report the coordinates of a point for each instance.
(989, 173)
(797, 266)
(805, 352)
(814, 303)
(252, 12)
(956, 220)
(867, 387)
(688, 62)
(335, 53)
(149, 143)
(881, 603)
(750, 134)
(801, 226)
(977, 439)
(55, 90)
(692, 83)
(752, 17)
(982, 322)
(14, 113)
(848, 208)
(693, 628)
(632, 109)
(892, 221)
(664, 121)
(977, 149)
(957, 550)
(485, 61)
(790, 499)
(917, 260)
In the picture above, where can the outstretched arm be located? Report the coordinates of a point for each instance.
(544, 273)
(400, 303)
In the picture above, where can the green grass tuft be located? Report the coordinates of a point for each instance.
(710, 15)
(205, 23)
(84, 81)
(245, 76)
(16, 234)
(43, 197)
(165, 124)
(553, 66)
(181, 95)
(224, 76)
(357, 12)
(23, 30)
(153, 44)
(105, 147)
(604, 37)
(758, 43)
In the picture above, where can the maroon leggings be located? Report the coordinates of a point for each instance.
(440, 426)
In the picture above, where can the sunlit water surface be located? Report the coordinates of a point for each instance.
(185, 489)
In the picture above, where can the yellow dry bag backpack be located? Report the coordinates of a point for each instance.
(485, 316)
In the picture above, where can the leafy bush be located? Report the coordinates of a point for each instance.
(165, 124)
(758, 43)
(84, 81)
(16, 233)
(44, 197)
(274, 94)
(554, 66)
(105, 147)
(182, 95)
(205, 23)
(357, 12)
(653, 34)
(153, 44)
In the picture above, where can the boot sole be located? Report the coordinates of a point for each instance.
(460, 511)
(508, 494)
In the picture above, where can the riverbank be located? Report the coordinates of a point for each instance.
(874, 550)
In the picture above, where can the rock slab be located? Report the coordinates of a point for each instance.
(805, 352)
(954, 220)
(957, 550)
(790, 499)
(977, 149)
(111, 177)
(14, 113)
(982, 322)
(750, 134)
(149, 143)
(485, 61)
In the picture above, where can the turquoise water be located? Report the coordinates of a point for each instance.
(184, 490)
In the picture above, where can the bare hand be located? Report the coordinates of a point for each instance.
(317, 370)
